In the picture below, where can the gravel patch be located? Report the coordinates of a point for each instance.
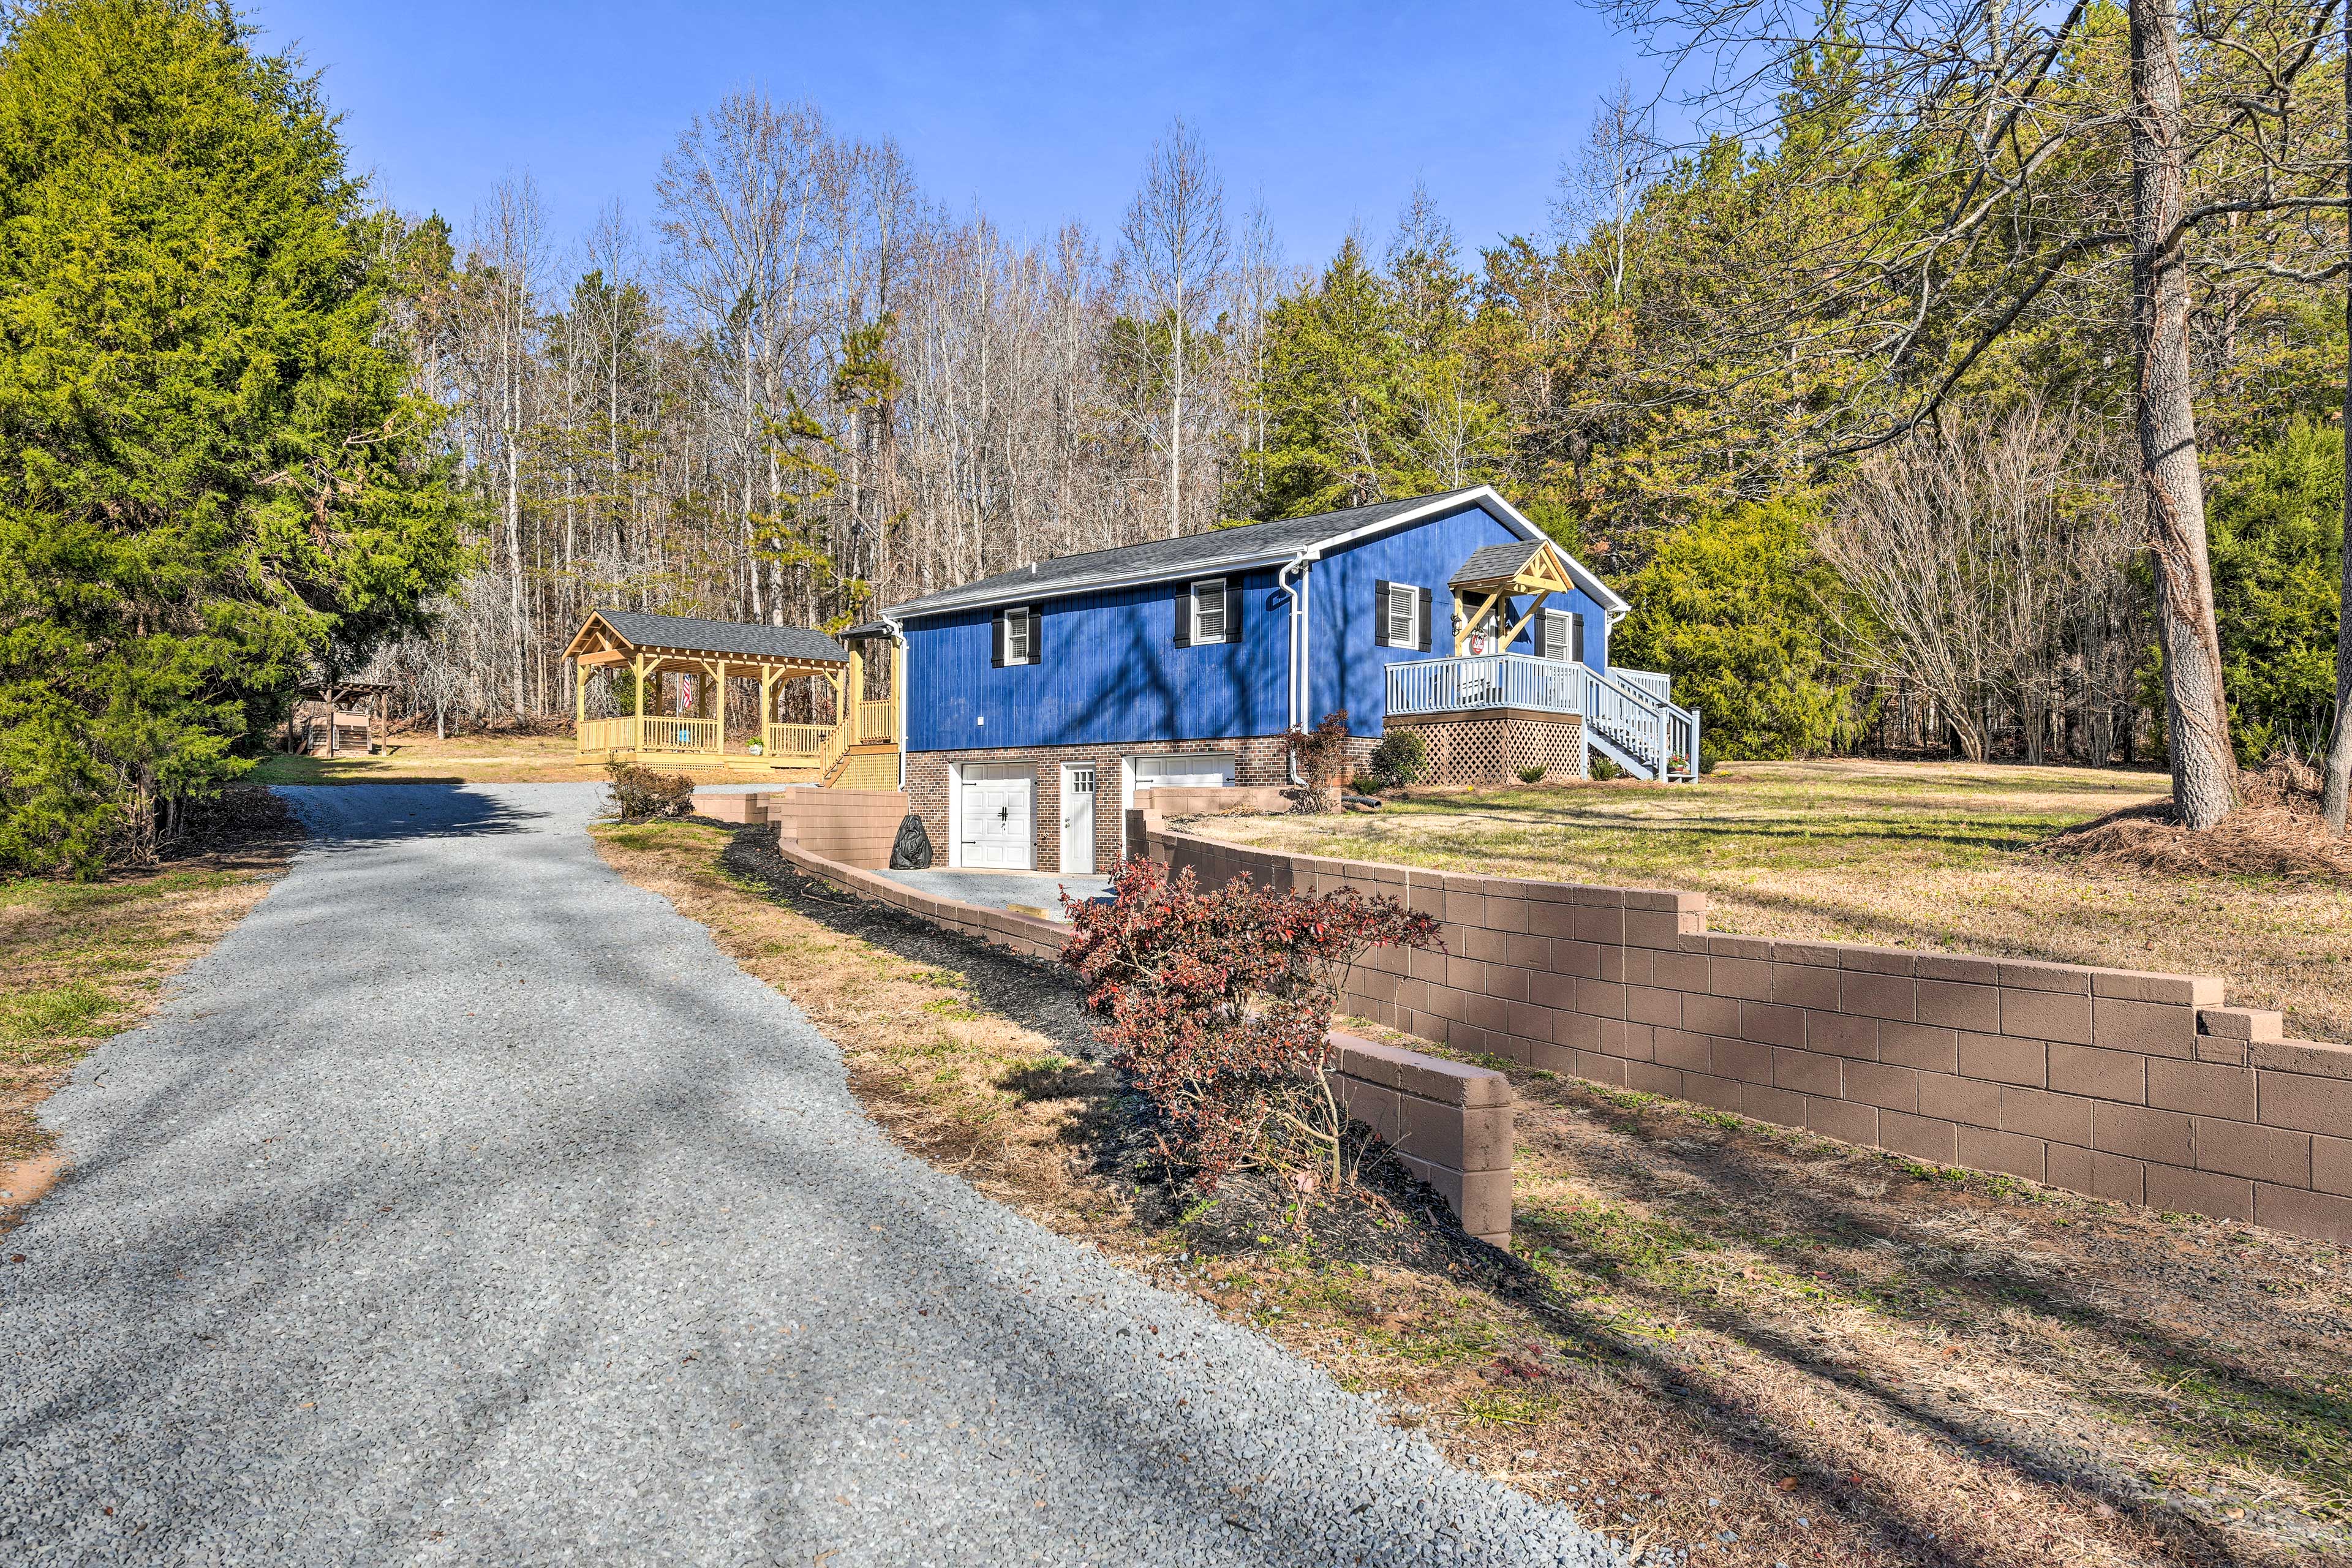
(467, 1205)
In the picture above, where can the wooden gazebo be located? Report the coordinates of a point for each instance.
(650, 647)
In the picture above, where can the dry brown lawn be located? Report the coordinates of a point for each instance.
(80, 961)
(1747, 1343)
(1926, 855)
(497, 758)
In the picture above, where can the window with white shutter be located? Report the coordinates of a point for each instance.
(1400, 613)
(1017, 635)
(1553, 637)
(1209, 617)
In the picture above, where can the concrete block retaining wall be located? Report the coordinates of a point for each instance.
(1450, 1123)
(2126, 1085)
(854, 827)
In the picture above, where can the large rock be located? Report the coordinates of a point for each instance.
(912, 851)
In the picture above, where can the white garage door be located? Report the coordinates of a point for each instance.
(999, 816)
(1183, 773)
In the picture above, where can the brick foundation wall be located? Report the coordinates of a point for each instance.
(2126, 1085)
(1259, 762)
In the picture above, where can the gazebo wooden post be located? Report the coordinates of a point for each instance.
(767, 704)
(718, 705)
(637, 738)
(857, 690)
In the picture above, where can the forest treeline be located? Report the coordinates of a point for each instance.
(1849, 391)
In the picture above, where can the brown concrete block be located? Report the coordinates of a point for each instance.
(1745, 978)
(1919, 1045)
(2154, 1028)
(1681, 1048)
(1957, 967)
(1684, 971)
(1842, 1119)
(1530, 1022)
(1368, 1103)
(2225, 1053)
(1772, 1025)
(1476, 1139)
(1841, 1035)
(1465, 908)
(1653, 927)
(2114, 1177)
(2181, 1191)
(2038, 1113)
(1809, 1073)
(1529, 952)
(1716, 1093)
(2203, 1088)
(1488, 1013)
(2320, 1214)
(1652, 1079)
(2005, 1060)
(1637, 1041)
(2307, 1103)
(1877, 960)
(1876, 995)
(2146, 986)
(1506, 913)
(1484, 945)
(2156, 1136)
(2331, 1164)
(1551, 919)
(1888, 1087)
(2011, 1153)
(1722, 944)
(2064, 1165)
(1968, 1099)
(1959, 1006)
(1465, 975)
(1450, 1083)
(1819, 954)
(1710, 1014)
(2045, 1014)
(1743, 1060)
(1783, 1108)
(1921, 1137)
(1605, 926)
(2103, 1075)
(1484, 1201)
(1601, 999)
(2275, 1155)
(1613, 965)
(2313, 1058)
(1551, 991)
(1804, 985)
(2240, 1022)
(1648, 1005)
(2025, 974)
(1600, 1068)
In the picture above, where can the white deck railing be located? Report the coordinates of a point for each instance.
(1486, 680)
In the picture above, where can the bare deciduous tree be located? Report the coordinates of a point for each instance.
(1174, 255)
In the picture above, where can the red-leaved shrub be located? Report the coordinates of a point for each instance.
(1218, 1004)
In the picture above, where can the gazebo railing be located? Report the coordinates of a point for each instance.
(667, 735)
(877, 720)
(800, 745)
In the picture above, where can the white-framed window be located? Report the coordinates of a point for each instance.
(1401, 616)
(1559, 635)
(1210, 621)
(1016, 635)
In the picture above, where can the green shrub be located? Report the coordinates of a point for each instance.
(1708, 759)
(1534, 775)
(1400, 759)
(1365, 783)
(1604, 770)
(641, 795)
(2278, 530)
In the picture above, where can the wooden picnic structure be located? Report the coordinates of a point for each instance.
(683, 663)
(324, 724)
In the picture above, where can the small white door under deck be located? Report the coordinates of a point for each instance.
(1078, 818)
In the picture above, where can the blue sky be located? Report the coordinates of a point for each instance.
(1037, 113)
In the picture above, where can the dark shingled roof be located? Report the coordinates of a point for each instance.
(1490, 562)
(1170, 557)
(746, 637)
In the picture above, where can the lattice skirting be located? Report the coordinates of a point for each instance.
(1492, 748)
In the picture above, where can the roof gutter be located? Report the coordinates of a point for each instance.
(1035, 593)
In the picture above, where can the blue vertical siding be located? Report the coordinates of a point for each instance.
(1347, 669)
(1108, 672)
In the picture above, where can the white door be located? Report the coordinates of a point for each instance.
(998, 816)
(1183, 773)
(1078, 818)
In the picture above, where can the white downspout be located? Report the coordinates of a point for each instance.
(1295, 693)
(899, 695)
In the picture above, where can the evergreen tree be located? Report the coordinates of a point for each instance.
(1734, 606)
(212, 471)
(2278, 526)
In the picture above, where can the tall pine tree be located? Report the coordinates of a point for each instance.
(212, 470)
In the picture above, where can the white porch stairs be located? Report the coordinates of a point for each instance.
(1629, 718)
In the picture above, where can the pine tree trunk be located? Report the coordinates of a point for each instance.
(2204, 771)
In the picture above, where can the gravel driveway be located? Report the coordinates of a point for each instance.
(467, 1205)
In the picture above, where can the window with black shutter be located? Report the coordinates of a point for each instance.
(1017, 636)
(1209, 610)
(1404, 615)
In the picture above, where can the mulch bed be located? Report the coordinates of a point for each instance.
(2277, 831)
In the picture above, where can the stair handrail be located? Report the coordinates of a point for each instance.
(1664, 720)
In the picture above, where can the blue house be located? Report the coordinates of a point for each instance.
(1027, 699)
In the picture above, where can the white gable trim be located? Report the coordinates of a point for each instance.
(1484, 497)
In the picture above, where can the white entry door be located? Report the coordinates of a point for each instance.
(999, 815)
(1078, 818)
